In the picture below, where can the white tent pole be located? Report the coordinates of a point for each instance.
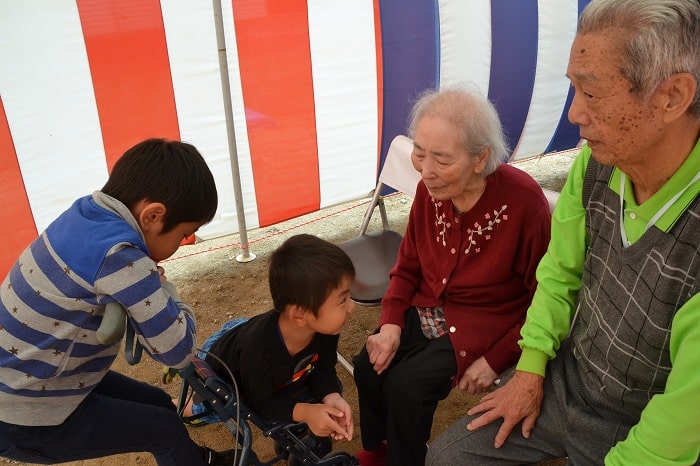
(246, 255)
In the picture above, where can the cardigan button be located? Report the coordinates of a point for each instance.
(462, 353)
(444, 281)
(453, 250)
(453, 329)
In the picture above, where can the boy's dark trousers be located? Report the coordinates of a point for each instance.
(120, 415)
(398, 405)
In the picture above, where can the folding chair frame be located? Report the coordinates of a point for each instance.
(375, 253)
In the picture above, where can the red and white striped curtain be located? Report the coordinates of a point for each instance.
(313, 93)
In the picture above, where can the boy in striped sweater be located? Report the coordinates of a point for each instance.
(61, 402)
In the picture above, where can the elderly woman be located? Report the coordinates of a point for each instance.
(463, 280)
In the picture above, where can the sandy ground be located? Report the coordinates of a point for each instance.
(218, 287)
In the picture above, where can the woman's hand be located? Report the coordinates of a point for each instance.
(382, 346)
(478, 377)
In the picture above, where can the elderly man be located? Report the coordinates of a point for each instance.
(610, 369)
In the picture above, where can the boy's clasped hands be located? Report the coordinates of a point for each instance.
(332, 417)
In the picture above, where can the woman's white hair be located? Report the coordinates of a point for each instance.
(469, 111)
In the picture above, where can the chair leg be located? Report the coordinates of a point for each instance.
(382, 211)
(376, 196)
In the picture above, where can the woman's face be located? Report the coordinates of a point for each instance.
(447, 169)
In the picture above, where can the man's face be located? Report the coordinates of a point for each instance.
(621, 128)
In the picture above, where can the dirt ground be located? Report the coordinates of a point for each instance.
(219, 287)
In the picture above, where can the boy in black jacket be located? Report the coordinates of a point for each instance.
(284, 360)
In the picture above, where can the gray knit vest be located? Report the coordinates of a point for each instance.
(627, 302)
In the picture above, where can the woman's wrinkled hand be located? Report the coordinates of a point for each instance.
(478, 378)
(382, 346)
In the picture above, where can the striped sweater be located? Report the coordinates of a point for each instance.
(52, 302)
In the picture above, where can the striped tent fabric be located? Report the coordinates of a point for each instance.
(319, 89)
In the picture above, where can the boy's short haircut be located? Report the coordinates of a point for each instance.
(304, 270)
(171, 172)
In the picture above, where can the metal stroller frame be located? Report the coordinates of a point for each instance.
(224, 401)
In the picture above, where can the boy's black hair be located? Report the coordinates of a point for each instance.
(171, 172)
(304, 270)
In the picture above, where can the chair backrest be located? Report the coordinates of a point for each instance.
(552, 197)
(398, 171)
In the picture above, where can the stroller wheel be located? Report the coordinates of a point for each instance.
(281, 451)
(321, 446)
(334, 458)
(341, 459)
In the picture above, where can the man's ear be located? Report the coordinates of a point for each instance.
(679, 93)
(150, 214)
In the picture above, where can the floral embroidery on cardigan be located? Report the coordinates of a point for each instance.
(440, 222)
(442, 225)
(489, 227)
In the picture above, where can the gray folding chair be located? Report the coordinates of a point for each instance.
(374, 253)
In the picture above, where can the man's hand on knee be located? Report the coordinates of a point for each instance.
(518, 400)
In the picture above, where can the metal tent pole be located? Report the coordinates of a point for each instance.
(246, 255)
